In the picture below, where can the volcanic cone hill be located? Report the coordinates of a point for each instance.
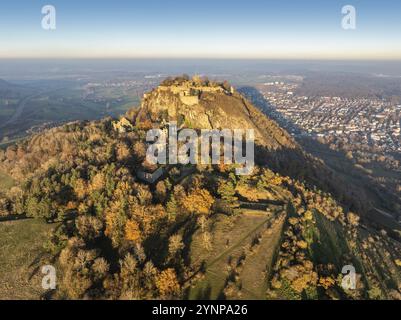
(122, 228)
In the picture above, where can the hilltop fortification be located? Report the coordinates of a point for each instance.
(203, 104)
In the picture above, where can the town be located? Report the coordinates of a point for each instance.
(364, 121)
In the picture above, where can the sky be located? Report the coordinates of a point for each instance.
(252, 29)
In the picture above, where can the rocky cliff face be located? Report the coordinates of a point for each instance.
(211, 107)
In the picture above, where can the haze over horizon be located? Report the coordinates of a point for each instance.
(229, 29)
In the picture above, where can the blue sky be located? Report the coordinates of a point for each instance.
(215, 29)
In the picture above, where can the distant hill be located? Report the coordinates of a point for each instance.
(196, 231)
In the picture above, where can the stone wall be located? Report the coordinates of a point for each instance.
(189, 100)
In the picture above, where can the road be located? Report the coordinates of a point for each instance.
(18, 111)
(21, 105)
(388, 215)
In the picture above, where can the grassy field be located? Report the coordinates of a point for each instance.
(329, 244)
(21, 256)
(258, 264)
(231, 236)
(6, 182)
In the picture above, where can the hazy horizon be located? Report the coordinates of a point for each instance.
(308, 30)
(18, 69)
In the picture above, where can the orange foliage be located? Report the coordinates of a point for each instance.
(71, 205)
(301, 283)
(167, 283)
(327, 282)
(81, 188)
(302, 244)
(114, 224)
(277, 181)
(110, 222)
(97, 182)
(132, 231)
(122, 152)
(153, 214)
(222, 167)
(145, 125)
(198, 201)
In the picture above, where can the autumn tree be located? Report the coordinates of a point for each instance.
(128, 280)
(353, 219)
(202, 222)
(326, 282)
(143, 194)
(3, 206)
(198, 201)
(89, 227)
(161, 191)
(227, 193)
(115, 223)
(82, 270)
(172, 207)
(122, 152)
(132, 231)
(81, 188)
(98, 182)
(167, 284)
(207, 240)
(175, 244)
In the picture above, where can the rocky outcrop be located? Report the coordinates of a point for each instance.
(211, 107)
(123, 125)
